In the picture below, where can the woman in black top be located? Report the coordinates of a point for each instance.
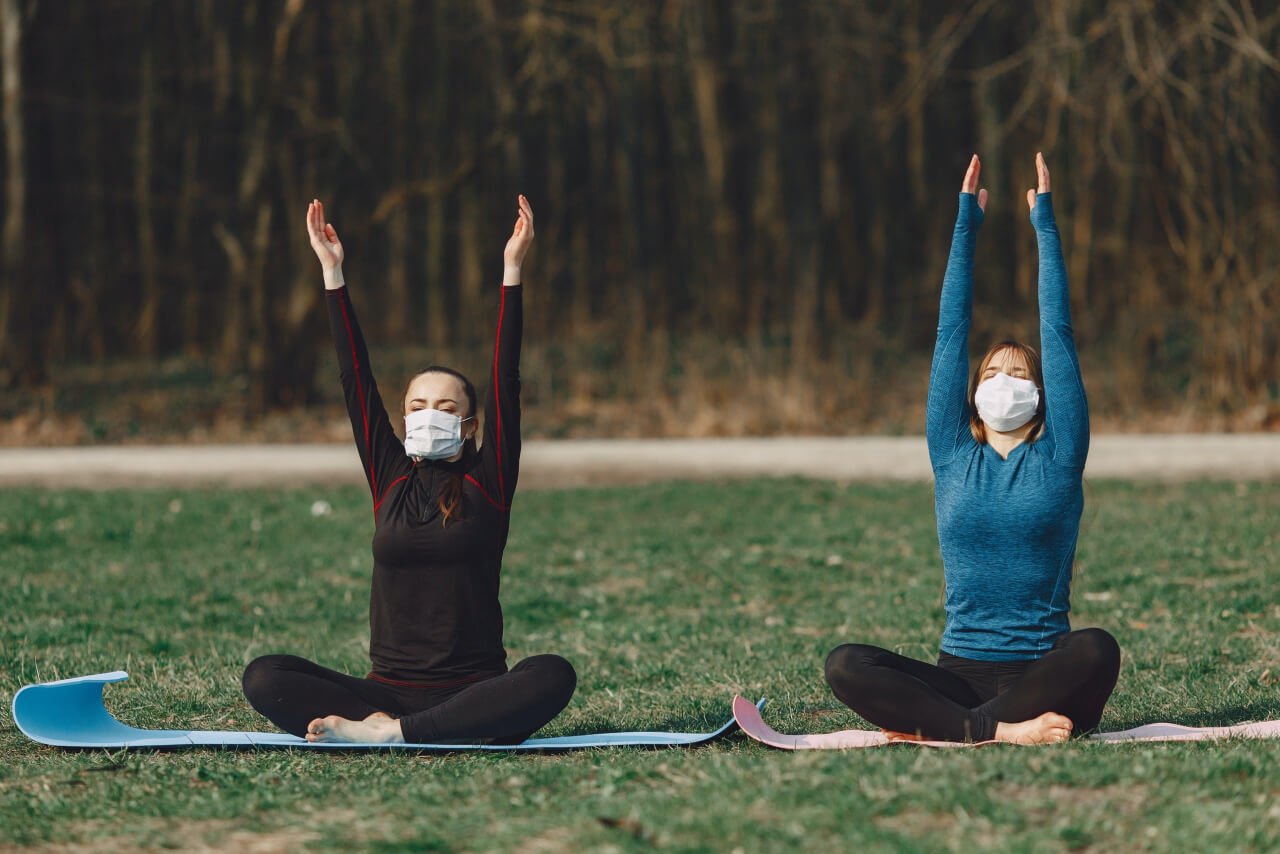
(441, 510)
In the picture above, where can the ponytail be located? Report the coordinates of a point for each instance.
(451, 495)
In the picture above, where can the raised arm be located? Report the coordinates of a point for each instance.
(947, 413)
(1066, 408)
(500, 453)
(381, 451)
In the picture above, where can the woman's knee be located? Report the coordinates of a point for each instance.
(556, 675)
(846, 661)
(1097, 647)
(261, 675)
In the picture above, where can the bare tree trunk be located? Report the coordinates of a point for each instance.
(12, 358)
(832, 271)
(396, 33)
(147, 326)
(230, 346)
(290, 362)
(915, 110)
(439, 327)
(801, 174)
(632, 295)
(995, 178)
(768, 218)
(283, 359)
(397, 302)
(543, 313)
(471, 280)
(89, 328)
(600, 255)
(267, 387)
(504, 93)
(261, 347)
(705, 81)
(192, 292)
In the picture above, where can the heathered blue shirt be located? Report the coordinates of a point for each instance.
(1007, 528)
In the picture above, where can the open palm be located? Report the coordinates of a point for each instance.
(1042, 181)
(324, 238)
(521, 236)
(970, 184)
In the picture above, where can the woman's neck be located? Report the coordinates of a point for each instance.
(1004, 443)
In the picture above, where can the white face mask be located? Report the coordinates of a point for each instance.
(432, 434)
(1006, 403)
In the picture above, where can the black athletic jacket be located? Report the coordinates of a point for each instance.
(434, 617)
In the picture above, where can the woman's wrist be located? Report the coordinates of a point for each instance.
(970, 215)
(333, 278)
(510, 275)
(1042, 213)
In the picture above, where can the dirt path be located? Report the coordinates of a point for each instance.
(580, 462)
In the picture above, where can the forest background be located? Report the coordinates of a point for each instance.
(744, 208)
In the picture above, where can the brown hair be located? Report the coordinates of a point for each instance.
(451, 495)
(1031, 360)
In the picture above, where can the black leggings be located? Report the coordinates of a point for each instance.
(501, 709)
(961, 699)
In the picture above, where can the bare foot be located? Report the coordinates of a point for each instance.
(378, 728)
(1049, 728)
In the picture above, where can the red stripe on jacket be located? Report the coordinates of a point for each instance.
(364, 408)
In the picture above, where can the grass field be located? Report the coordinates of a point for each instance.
(668, 599)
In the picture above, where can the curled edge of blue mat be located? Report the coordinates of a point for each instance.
(70, 713)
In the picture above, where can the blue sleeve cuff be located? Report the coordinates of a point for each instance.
(969, 212)
(1042, 213)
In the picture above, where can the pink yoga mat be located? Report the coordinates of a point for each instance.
(752, 723)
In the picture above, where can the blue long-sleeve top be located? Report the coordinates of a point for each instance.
(1007, 528)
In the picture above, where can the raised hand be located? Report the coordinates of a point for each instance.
(1042, 178)
(521, 237)
(324, 239)
(970, 184)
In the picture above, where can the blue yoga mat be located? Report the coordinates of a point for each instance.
(71, 713)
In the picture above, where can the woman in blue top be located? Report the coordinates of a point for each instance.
(1008, 453)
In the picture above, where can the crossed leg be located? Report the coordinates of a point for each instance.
(293, 692)
(320, 704)
(506, 709)
(1064, 690)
